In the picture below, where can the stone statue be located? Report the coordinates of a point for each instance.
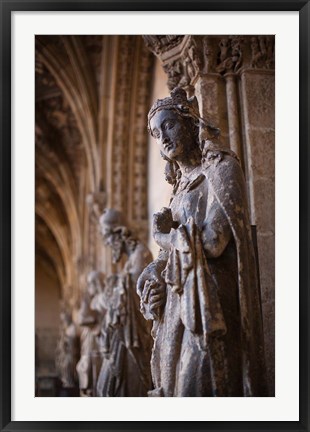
(90, 322)
(201, 292)
(67, 351)
(128, 342)
(110, 304)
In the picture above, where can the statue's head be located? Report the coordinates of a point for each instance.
(177, 102)
(65, 318)
(113, 232)
(95, 282)
(113, 281)
(175, 123)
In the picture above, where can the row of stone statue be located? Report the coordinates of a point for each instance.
(115, 339)
(201, 292)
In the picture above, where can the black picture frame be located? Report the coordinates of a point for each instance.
(7, 7)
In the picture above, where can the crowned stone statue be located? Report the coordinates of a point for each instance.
(202, 290)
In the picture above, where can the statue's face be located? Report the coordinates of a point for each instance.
(106, 233)
(91, 287)
(172, 133)
(114, 241)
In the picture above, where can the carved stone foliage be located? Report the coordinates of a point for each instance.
(185, 64)
(162, 43)
(194, 56)
(230, 56)
(263, 52)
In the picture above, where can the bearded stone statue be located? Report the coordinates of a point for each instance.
(127, 336)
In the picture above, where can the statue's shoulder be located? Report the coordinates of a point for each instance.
(224, 173)
(220, 162)
(141, 253)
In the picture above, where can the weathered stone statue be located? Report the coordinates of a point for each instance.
(201, 292)
(126, 368)
(67, 351)
(90, 322)
(110, 304)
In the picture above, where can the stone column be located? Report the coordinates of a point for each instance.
(233, 114)
(257, 91)
(211, 95)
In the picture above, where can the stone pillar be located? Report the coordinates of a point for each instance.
(214, 106)
(257, 89)
(233, 114)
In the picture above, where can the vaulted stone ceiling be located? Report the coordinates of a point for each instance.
(92, 97)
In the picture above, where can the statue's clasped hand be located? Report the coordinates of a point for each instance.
(162, 221)
(151, 288)
(153, 297)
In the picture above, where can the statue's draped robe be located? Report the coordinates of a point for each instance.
(209, 339)
(125, 369)
(67, 355)
(87, 320)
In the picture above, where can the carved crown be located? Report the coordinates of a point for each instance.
(177, 101)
